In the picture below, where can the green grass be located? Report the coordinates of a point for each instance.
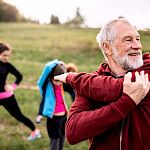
(33, 46)
(13, 133)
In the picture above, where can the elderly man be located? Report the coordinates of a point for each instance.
(113, 114)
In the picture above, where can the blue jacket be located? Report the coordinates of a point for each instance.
(48, 97)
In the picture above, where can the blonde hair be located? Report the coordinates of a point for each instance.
(71, 67)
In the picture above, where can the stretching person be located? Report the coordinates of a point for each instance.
(7, 97)
(112, 113)
(53, 105)
(70, 67)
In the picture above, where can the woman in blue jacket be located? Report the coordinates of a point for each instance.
(53, 105)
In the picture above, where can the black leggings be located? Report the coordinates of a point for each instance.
(10, 104)
(56, 131)
(57, 144)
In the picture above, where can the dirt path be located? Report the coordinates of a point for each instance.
(31, 87)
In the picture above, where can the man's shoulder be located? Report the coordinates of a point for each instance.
(146, 59)
(146, 55)
(104, 67)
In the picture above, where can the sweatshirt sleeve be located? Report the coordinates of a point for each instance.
(16, 73)
(96, 87)
(84, 123)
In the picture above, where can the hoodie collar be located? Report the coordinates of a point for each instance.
(104, 68)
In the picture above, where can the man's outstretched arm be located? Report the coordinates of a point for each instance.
(91, 85)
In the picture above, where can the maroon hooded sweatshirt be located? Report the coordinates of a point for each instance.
(105, 115)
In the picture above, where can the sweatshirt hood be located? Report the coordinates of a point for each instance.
(104, 67)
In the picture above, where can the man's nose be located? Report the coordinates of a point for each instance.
(136, 44)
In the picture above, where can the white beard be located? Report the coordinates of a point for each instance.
(126, 62)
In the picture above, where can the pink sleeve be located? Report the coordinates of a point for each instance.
(14, 86)
(5, 95)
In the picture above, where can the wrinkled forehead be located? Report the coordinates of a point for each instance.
(125, 29)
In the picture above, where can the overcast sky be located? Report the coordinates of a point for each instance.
(96, 12)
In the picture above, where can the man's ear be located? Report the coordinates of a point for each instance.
(107, 48)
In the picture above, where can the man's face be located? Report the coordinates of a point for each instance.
(127, 47)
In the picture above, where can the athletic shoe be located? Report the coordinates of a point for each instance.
(34, 135)
(39, 118)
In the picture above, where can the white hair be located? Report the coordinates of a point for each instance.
(108, 32)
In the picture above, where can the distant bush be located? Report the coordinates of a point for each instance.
(8, 13)
(77, 21)
(54, 20)
(145, 32)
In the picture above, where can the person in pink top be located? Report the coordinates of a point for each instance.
(56, 125)
(56, 107)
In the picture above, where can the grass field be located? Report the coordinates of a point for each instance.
(33, 46)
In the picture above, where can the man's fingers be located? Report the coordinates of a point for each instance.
(146, 79)
(142, 75)
(137, 76)
(143, 78)
(61, 77)
(127, 77)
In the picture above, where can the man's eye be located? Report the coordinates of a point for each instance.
(128, 39)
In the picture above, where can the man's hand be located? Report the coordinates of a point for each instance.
(62, 77)
(136, 90)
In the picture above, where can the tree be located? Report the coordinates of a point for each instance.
(54, 20)
(77, 21)
(8, 13)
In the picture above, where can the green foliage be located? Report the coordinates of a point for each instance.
(8, 13)
(33, 46)
(77, 21)
(54, 20)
